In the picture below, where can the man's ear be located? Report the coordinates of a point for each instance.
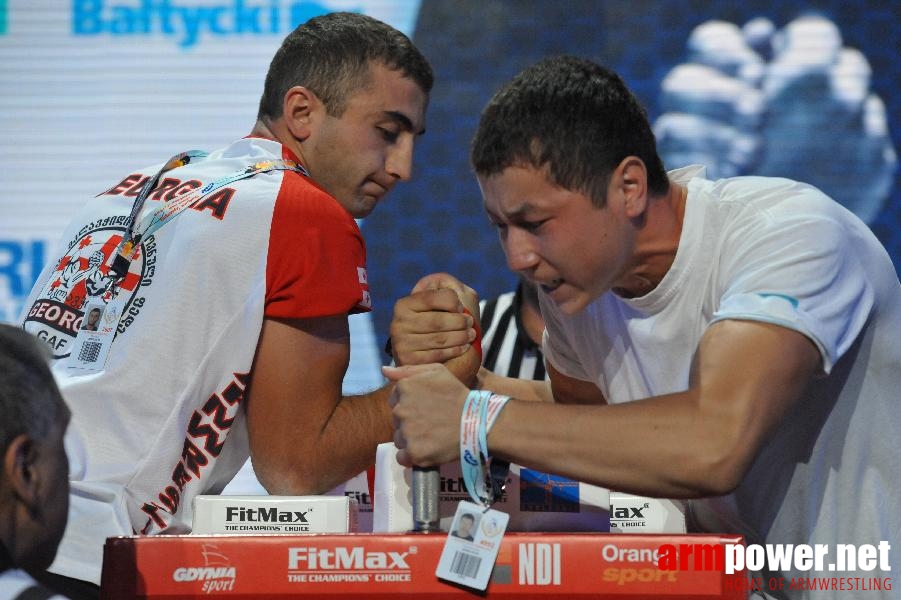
(19, 468)
(301, 111)
(631, 180)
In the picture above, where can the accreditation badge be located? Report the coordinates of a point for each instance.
(95, 336)
(472, 545)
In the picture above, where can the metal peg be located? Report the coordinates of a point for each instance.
(426, 485)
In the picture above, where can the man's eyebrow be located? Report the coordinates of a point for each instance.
(516, 215)
(519, 213)
(403, 119)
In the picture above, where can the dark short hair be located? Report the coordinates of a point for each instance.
(30, 401)
(331, 55)
(572, 117)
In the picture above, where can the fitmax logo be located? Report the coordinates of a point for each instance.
(628, 512)
(186, 21)
(345, 559)
(628, 516)
(264, 515)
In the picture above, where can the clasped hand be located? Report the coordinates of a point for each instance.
(432, 335)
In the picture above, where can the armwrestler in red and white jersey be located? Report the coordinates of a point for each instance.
(234, 337)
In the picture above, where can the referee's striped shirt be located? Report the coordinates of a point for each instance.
(506, 347)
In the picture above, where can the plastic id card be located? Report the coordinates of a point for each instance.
(472, 545)
(95, 337)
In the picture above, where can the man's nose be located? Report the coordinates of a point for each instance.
(399, 163)
(521, 255)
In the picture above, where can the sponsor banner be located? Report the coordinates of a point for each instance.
(189, 22)
(636, 514)
(529, 565)
(357, 489)
(22, 257)
(274, 514)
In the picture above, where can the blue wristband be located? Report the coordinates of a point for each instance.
(484, 480)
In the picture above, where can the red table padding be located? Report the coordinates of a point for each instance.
(529, 565)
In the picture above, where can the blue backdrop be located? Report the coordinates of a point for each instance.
(436, 222)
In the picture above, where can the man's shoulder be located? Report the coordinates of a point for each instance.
(750, 208)
(302, 200)
(295, 194)
(774, 194)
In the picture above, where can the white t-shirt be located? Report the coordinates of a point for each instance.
(164, 420)
(780, 252)
(15, 582)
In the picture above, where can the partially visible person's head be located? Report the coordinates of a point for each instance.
(94, 316)
(331, 55)
(571, 118)
(34, 484)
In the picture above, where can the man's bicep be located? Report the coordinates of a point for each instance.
(295, 386)
(569, 390)
(750, 374)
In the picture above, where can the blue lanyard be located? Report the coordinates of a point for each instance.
(483, 477)
(172, 209)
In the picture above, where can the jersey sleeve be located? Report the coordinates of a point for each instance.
(316, 264)
(796, 270)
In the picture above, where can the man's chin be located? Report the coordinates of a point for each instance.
(568, 301)
(363, 207)
(367, 204)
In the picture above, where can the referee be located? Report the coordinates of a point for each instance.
(512, 330)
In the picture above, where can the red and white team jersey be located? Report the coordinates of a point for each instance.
(163, 420)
